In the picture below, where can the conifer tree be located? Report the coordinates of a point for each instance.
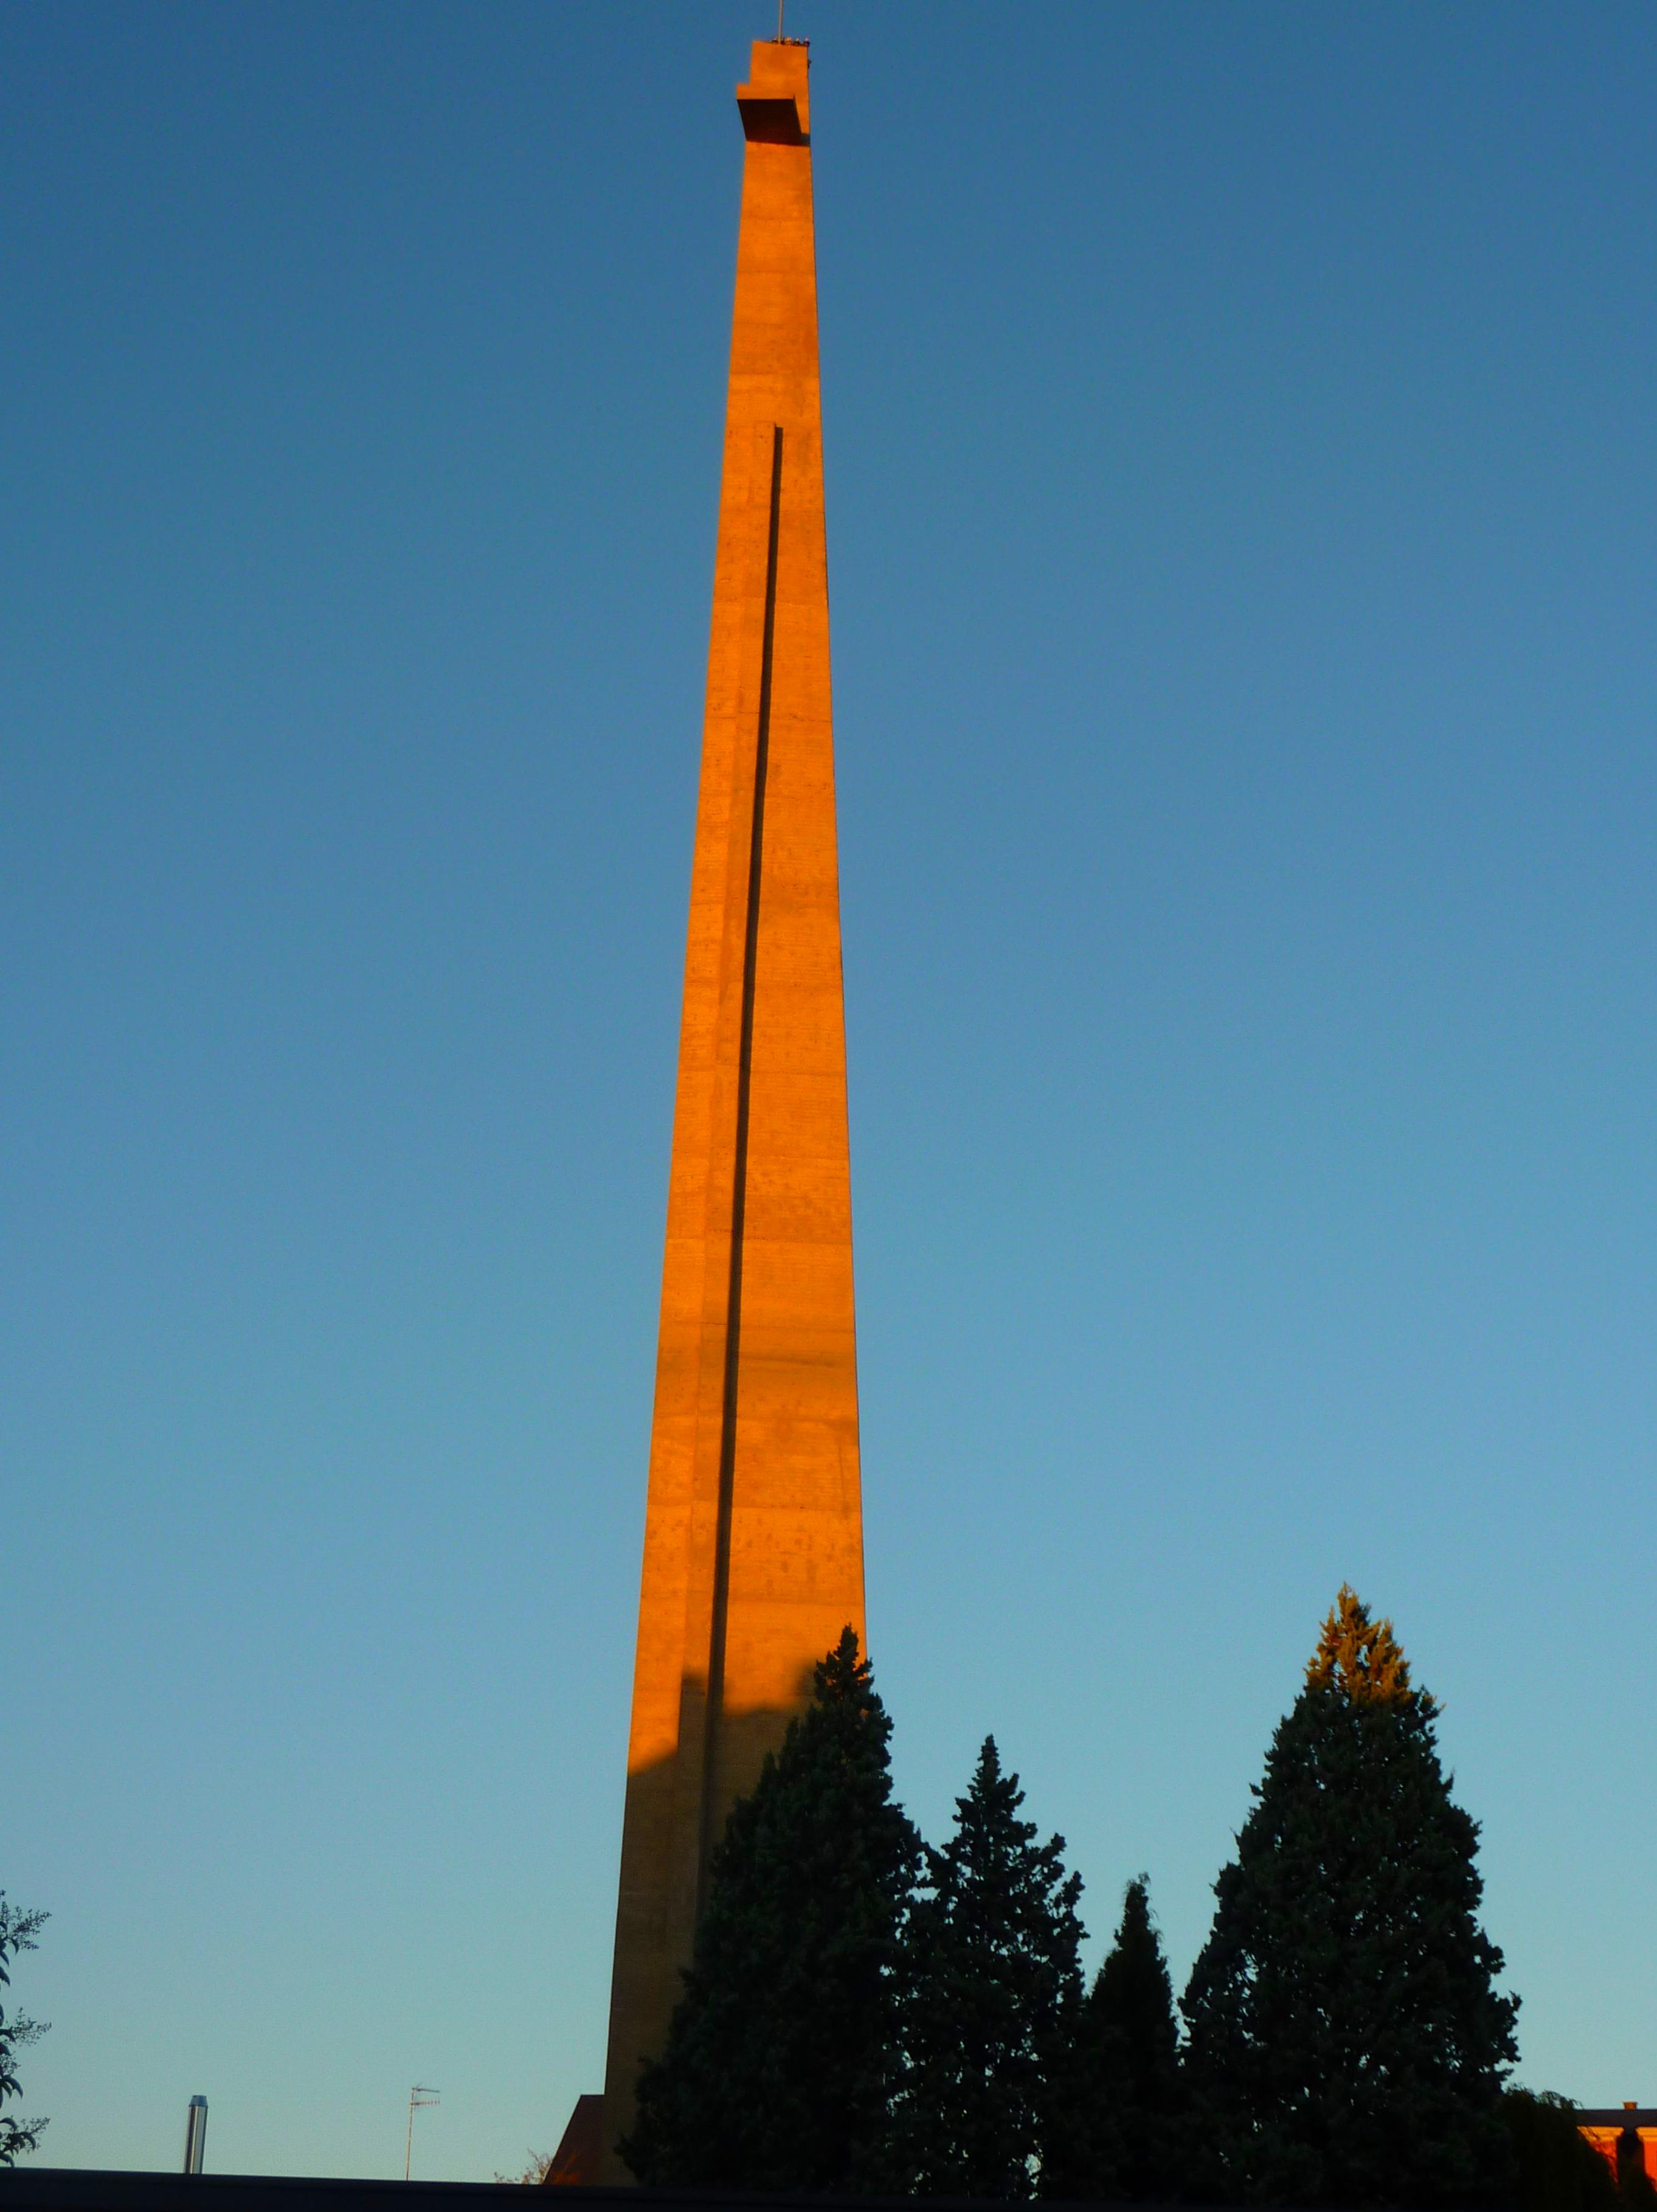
(1119, 2136)
(777, 2069)
(1347, 2045)
(993, 1987)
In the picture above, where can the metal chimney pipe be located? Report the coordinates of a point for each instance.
(195, 2134)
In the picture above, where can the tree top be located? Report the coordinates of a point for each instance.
(1360, 1657)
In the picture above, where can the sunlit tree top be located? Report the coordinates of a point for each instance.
(1362, 1658)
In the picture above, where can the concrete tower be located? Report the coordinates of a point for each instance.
(752, 1558)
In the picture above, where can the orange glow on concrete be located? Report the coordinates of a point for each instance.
(753, 1557)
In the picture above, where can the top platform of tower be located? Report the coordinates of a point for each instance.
(776, 102)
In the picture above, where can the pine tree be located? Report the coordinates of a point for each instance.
(993, 1987)
(777, 2069)
(1347, 2045)
(1120, 2132)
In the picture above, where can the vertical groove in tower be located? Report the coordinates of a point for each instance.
(752, 1559)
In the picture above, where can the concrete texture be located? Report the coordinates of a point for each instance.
(753, 1558)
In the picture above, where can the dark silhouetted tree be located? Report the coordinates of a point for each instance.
(777, 2069)
(1634, 2184)
(1556, 2168)
(1347, 2043)
(1120, 2134)
(17, 1932)
(536, 2164)
(992, 1988)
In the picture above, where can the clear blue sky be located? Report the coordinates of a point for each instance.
(1241, 475)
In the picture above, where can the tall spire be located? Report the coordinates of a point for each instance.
(753, 1558)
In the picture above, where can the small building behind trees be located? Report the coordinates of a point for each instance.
(1602, 2124)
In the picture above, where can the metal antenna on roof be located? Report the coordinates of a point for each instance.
(419, 2097)
(780, 5)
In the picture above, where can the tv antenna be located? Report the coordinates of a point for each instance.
(419, 2096)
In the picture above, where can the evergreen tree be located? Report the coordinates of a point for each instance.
(1120, 2132)
(992, 1988)
(1347, 2045)
(777, 2069)
(1555, 2168)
